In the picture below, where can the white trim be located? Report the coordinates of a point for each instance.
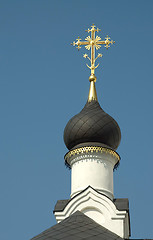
(100, 208)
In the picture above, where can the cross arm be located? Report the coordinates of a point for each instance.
(107, 42)
(101, 42)
(83, 43)
(79, 43)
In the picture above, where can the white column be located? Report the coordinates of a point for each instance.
(93, 169)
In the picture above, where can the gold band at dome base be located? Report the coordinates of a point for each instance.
(91, 149)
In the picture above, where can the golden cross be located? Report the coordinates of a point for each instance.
(93, 43)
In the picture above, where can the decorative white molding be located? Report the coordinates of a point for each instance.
(99, 208)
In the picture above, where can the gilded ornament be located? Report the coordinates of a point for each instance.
(93, 42)
(91, 149)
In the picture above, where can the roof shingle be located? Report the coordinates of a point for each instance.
(77, 227)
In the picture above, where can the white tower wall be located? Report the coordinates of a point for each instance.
(93, 169)
(92, 189)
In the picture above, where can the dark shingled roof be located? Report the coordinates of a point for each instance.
(77, 227)
(60, 205)
(92, 124)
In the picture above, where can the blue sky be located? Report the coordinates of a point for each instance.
(44, 82)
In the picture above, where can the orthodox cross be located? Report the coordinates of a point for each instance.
(93, 43)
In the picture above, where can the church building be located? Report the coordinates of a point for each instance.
(92, 138)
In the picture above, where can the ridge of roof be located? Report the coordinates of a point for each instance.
(78, 226)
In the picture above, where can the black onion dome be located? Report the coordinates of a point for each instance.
(92, 124)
